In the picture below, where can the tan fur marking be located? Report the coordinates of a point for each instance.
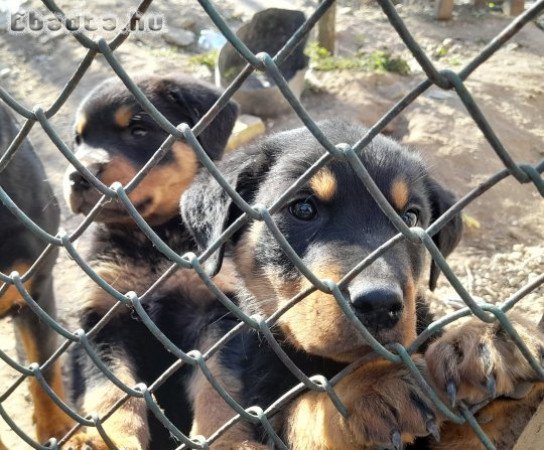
(51, 421)
(315, 423)
(12, 298)
(407, 324)
(400, 194)
(502, 421)
(127, 427)
(323, 183)
(80, 124)
(122, 116)
(162, 186)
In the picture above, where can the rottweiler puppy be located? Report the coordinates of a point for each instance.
(332, 223)
(25, 182)
(114, 138)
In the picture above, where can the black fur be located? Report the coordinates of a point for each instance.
(25, 182)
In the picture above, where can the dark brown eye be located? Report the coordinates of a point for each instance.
(138, 131)
(410, 217)
(77, 139)
(303, 209)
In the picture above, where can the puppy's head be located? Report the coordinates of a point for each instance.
(114, 138)
(332, 223)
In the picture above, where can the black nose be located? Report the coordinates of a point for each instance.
(378, 307)
(78, 182)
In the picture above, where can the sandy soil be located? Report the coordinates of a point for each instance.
(494, 260)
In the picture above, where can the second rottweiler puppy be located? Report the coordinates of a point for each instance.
(114, 138)
(332, 223)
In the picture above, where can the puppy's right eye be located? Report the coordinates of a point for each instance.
(77, 139)
(303, 209)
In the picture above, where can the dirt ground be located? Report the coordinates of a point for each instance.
(502, 248)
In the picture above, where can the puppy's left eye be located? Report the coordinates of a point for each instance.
(303, 209)
(138, 131)
(410, 217)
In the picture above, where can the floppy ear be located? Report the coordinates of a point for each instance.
(206, 208)
(196, 100)
(449, 236)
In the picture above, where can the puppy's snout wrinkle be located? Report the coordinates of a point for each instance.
(377, 306)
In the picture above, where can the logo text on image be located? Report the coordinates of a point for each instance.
(34, 22)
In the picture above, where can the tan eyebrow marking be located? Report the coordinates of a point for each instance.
(122, 116)
(399, 194)
(80, 124)
(323, 183)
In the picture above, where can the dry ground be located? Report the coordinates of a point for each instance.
(493, 261)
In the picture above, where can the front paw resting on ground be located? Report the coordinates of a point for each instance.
(476, 361)
(386, 408)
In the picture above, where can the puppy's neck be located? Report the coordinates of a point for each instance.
(129, 241)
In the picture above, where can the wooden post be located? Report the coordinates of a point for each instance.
(514, 7)
(326, 29)
(532, 437)
(444, 9)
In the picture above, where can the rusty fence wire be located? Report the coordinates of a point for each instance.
(444, 79)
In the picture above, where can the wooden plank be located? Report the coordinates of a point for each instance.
(326, 29)
(532, 437)
(514, 7)
(444, 9)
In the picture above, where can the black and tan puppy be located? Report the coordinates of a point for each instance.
(114, 138)
(25, 181)
(332, 223)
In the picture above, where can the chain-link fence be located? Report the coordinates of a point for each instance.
(445, 79)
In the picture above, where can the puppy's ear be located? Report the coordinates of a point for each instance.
(195, 100)
(206, 208)
(449, 236)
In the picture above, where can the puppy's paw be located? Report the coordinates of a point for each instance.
(85, 441)
(91, 440)
(476, 361)
(386, 407)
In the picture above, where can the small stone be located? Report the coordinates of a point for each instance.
(179, 37)
(246, 128)
(512, 46)
(447, 43)
(4, 73)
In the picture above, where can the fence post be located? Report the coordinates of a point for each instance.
(532, 437)
(326, 29)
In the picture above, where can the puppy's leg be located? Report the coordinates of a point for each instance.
(127, 428)
(211, 411)
(385, 407)
(11, 300)
(475, 361)
(39, 342)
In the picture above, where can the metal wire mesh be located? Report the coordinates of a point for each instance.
(445, 79)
